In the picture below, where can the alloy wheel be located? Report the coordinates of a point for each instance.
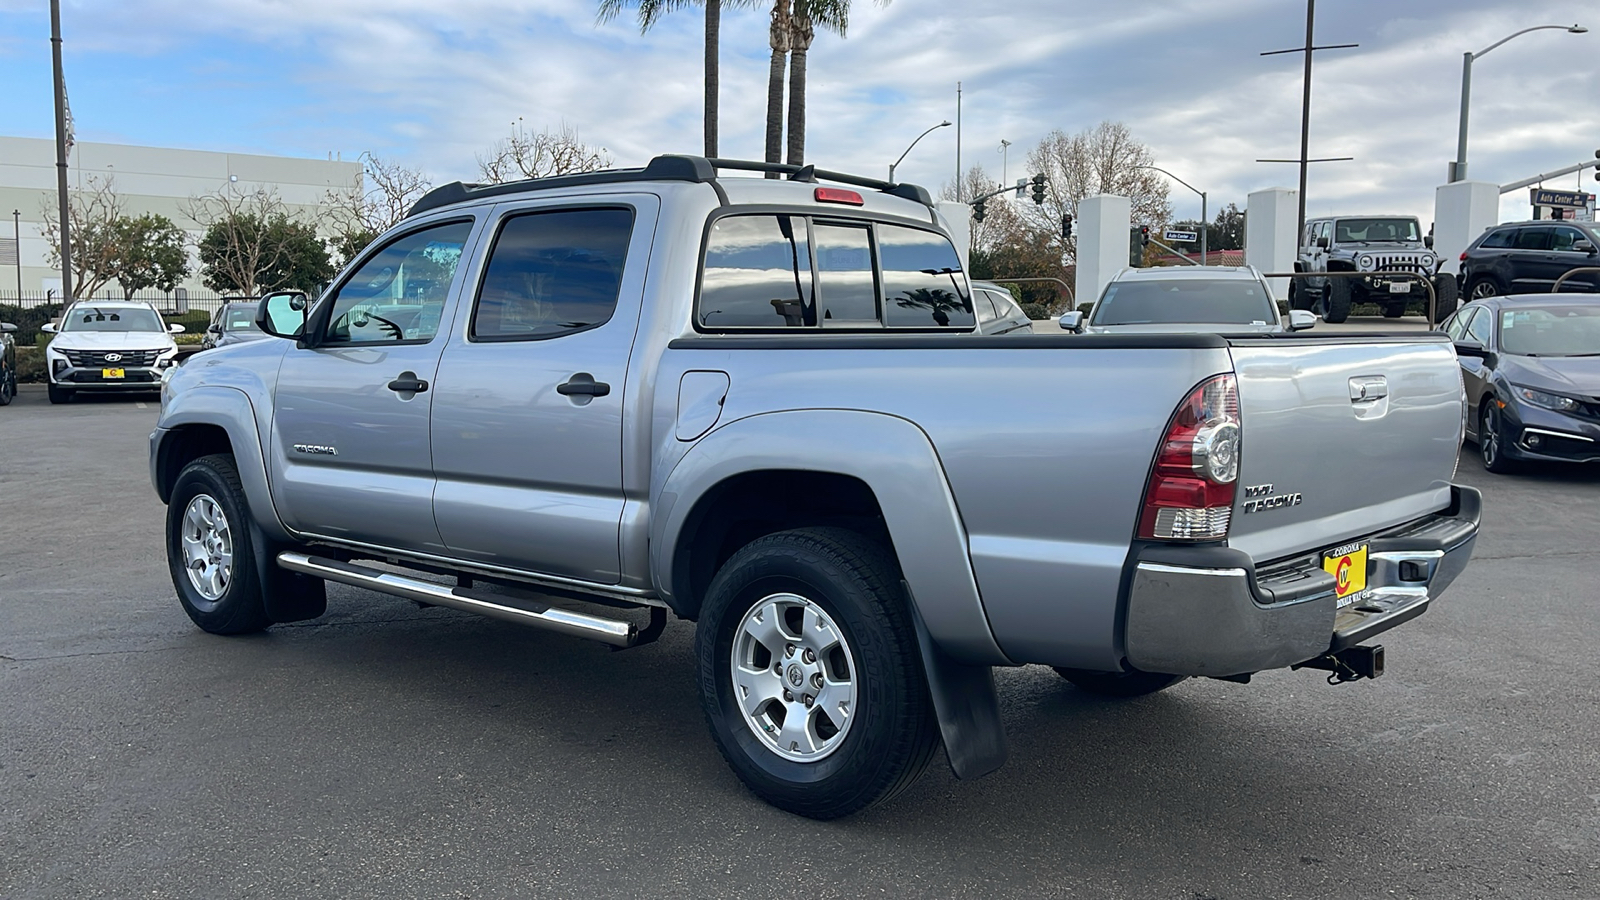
(207, 547)
(1489, 437)
(794, 677)
(1484, 288)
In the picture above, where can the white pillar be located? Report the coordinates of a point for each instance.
(1270, 242)
(958, 218)
(1102, 226)
(1461, 211)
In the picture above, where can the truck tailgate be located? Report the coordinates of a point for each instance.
(1341, 437)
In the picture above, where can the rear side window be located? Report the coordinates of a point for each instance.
(757, 274)
(923, 285)
(1478, 328)
(1533, 239)
(552, 273)
(1500, 240)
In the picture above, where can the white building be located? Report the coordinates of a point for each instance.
(149, 180)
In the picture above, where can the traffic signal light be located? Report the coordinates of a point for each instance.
(977, 211)
(1144, 235)
(1066, 227)
(1038, 188)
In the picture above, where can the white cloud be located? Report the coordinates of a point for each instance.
(433, 83)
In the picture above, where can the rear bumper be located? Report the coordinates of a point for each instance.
(1212, 611)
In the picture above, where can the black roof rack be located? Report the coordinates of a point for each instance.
(693, 169)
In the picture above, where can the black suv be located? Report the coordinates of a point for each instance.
(1528, 257)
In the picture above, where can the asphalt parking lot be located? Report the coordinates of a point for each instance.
(391, 751)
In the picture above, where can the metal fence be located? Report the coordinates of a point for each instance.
(177, 302)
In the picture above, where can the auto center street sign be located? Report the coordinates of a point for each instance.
(1173, 234)
(1561, 199)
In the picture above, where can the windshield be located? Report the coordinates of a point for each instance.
(1234, 301)
(1550, 331)
(112, 318)
(240, 318)
(1350, 231)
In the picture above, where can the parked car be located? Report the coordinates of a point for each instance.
(998, 312)
(1531, 368)
(1189, 299)
(1528, 257)
(1375, 244)
(759, 405)
(8, 363)
(232, 323)
(108, 345)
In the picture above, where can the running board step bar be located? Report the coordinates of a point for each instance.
(615, 632)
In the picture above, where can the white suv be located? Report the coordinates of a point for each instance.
(108, 345)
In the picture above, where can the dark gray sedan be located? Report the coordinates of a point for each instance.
(234, 323)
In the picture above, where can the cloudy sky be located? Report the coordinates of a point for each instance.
(430, 83)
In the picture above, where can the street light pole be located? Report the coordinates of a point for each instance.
(16, 232)
(896, 163)
(1205, 223)
(61, 157)
(1458, 169)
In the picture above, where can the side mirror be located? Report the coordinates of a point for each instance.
(215, 329)
(7, 327)
(1584, 247)
(1322, 243)
(1472, 349)
(175, 328)
(1427, 241)
(1301, 319)
(282, 314)
(1072, 321)
(48, 328)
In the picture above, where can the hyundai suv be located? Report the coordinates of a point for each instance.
(106, 345)
(1528, 257)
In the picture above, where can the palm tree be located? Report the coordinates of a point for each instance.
(778, 38)
(804, 18)
(651, 11)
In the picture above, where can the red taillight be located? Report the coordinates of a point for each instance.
(838, 195)
(1191, 489)
(1463, 256)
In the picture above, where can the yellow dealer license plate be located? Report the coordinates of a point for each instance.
(112, 373)
(1348, 566)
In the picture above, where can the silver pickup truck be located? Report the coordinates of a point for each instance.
(759, 405)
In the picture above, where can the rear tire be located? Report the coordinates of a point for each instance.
(1485, 286)
(8, 387)
(1338, 290)
(60, 394)
(1131, 683)
(211, 549)
(786, 612)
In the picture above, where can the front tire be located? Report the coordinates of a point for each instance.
(1122, 685)
(60, 394)
(1447, 292)
(8, 386)
(1492, 441)
(810, 675)
(211, 550)
(1338, 291)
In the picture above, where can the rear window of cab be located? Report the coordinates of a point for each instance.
(774, 272)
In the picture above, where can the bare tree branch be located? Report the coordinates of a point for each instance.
(93, 214)
(238, 243)
(539, 155)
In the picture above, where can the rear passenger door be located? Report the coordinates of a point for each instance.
(528, 412)
(1529, 260)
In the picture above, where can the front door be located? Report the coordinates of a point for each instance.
(528, 413)
(350, 419)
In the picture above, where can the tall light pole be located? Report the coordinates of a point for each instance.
(1205, 223)
(16, 233)
(61, 158)
(896, 163)
(1458, 169)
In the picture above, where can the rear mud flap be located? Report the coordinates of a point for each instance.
(966, 705)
